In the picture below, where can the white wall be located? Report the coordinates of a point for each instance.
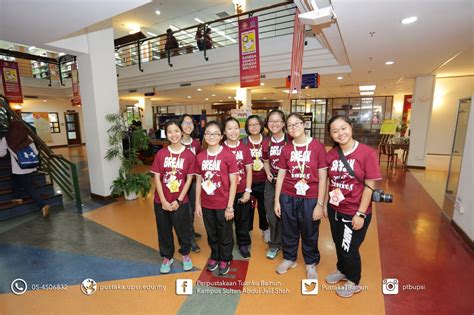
(59, 106)
(448, 92)
(465, 196)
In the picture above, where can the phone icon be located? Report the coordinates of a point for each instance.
(19, 286)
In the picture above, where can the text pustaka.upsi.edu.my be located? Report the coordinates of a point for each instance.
(131, 287)
(248, 287)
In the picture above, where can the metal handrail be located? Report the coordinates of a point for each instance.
(62, 171)
(153, 48)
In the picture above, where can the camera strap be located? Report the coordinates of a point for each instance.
(348, 167)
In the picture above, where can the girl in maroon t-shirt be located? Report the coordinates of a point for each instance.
(174, 169)
(216, 177)
(244, 184)
(299, 196)
(191, 143)
(254, 128)
(272, 148)
(349, 207)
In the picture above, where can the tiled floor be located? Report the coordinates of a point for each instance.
(116, 245)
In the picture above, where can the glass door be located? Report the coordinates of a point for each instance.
(458, 148)
(73, 130)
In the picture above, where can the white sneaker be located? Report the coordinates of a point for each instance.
(311, 272)
(348, 290)
(335, 277)
(266, 235)
(285, 265)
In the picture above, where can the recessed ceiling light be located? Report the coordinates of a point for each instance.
(157, 12)
(264, 98)
(220, 100)
(340, 78)
(206, 99)
(213, 95)
(367, 93)
(366, 87)
(44, 100)
(262, 84)
(409, 20)
(189, 96)
(229, 97)
(199, 90)
(389, 62)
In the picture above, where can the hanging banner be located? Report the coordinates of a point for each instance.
(76, 95)
(297, 55)
(11, 81)
(249, 53)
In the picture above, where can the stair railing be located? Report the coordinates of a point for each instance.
(62, 171)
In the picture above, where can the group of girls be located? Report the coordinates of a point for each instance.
(295, 183)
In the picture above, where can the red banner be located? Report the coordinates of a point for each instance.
(11, 81)
(296, 72)
(76, 95)
(249, 52)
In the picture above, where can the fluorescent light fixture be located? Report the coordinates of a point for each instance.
(151, 34)
(157, 12)
(389, 62)
(340, 78)
(61, 54)
(31, 48)
(198, 20)
(367, 93)
(288, 91)
(409, 20)
(366, 87)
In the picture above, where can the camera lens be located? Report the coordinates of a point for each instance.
(386, 198)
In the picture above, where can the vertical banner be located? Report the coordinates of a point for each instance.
(297, 55)
(11, 81)
(249, 53)
(406, 114)
(76, 95)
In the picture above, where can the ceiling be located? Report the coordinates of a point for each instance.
(371, 32)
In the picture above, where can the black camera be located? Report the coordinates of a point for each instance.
(379, 196)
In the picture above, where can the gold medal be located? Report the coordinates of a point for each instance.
(257, 165)
(173, 186)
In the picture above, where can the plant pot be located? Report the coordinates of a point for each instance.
(130, 196)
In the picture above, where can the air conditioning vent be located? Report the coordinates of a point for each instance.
(30, 96)
(222, 14)
(132, 91)
(185, 84)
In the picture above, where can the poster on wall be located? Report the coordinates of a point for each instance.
(41, 123)
(389, 127)
(11, 81)
(76, 95)
(249, 52)
(241, 115)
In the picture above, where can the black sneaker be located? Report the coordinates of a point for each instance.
(212, 265)
(194, 247)
(224, 267)
(244, 251)
(197, 236)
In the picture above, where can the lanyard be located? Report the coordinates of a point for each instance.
(257, 156)
(174, 166)
(215, 157)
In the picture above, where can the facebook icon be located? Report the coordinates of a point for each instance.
(184, 286)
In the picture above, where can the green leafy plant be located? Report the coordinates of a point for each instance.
(128, 181)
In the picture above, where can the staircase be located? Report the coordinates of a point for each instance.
(52, 167)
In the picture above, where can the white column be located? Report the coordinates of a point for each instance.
(245, 96)
(420, 119)
(99, 95)
(147, 121)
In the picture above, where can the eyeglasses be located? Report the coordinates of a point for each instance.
(275, 122)
(187, 124)
(254, 125)
(211, 135)
(295, 125)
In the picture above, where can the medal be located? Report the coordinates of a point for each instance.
(257, 165)
(173, 186)
(336, 196)
(173, 183)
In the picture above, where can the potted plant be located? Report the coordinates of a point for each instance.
(126, 141)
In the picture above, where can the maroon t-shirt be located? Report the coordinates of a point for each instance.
(256, 149)
(242, 154)
(217, 169)
(364, 162)
(165, 162)
(314, 159)
(194, 146)
(272, 151)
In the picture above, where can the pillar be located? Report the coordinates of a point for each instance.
(99, 94)
(244, 95)
(423, 94)
(147, 121)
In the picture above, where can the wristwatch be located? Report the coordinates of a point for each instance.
(249, 190)
(179, 202)
(361, 214)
